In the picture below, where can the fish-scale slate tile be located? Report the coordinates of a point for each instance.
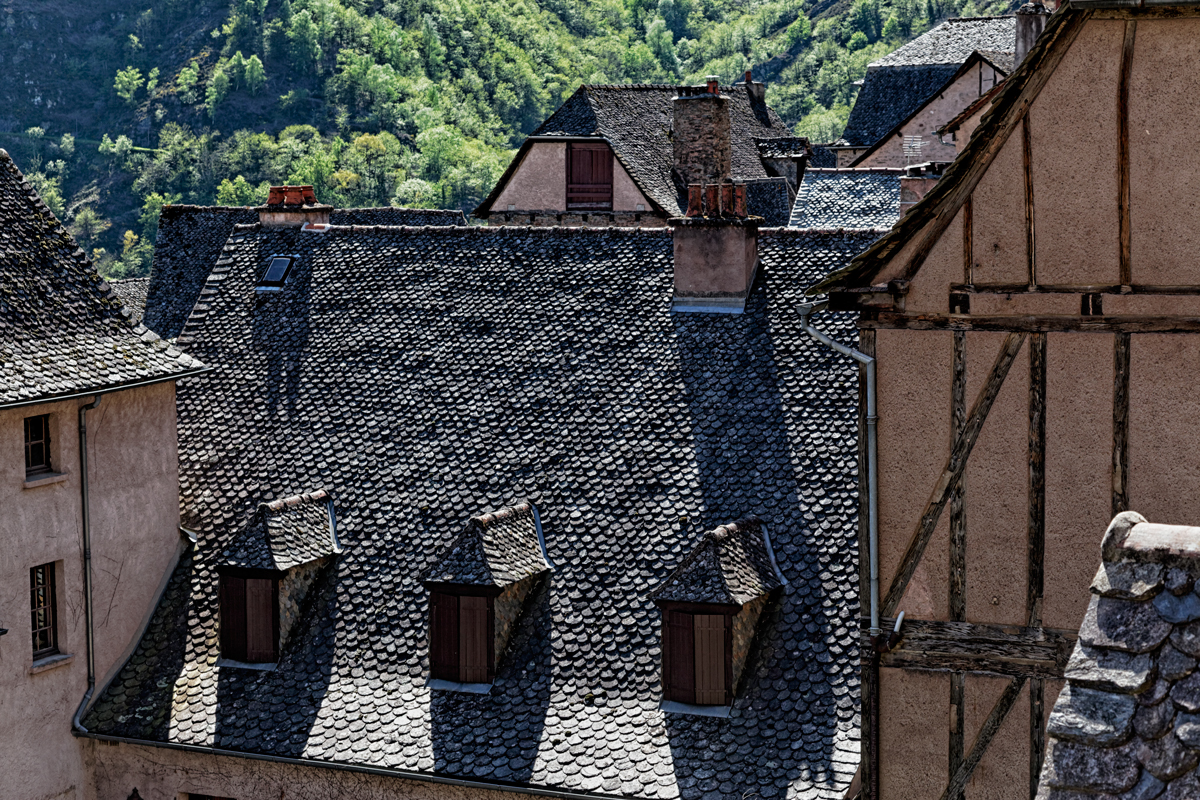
(1115, 731)
(423, 374)
(847, 198)
(132, 292)
(496, 549)
(190, 240)
(63, 330)
(901, 82)
(636, 120)
(285, 533)
(732, 564)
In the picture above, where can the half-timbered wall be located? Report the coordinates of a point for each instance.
(540, 183)
(1036, 375)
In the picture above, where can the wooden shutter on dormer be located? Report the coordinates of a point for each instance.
(678, 654)
(589, 176)
(443, 636)
(712, 643)
(233, 617)
(473, 643)
(262, 620)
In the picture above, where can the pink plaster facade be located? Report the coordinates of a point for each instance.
(1066, 179)
(538, 186)
(966, 89)
(134, 495)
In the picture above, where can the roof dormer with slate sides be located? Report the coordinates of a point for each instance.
(496, 549)
(286, 533)
(63, 331)
(732, 564)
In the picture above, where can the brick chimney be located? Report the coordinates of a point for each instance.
(917, 181)
(701, 135)
(1031, 20)
(716, 250)
(756, 89)
(292, 207)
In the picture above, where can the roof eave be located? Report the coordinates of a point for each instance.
(92, 392)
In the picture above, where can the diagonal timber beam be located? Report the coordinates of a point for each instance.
(959, 782)
(955, 466)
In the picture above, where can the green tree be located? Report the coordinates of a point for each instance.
(304, 41)
(237, 192)
(151, 210)
(67, 145)
(152, 81)
(87, 226)
(189, 76)
(218, 90)
(256, 76)
(127, 83)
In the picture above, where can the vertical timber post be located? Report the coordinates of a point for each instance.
(958, 538)
(1126, 233)
(1035, 586)
(1120, 463)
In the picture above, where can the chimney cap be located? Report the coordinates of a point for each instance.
(1033, 8)
(292, 196)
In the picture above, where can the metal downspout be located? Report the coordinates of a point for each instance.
(807, 309)
(87, 565)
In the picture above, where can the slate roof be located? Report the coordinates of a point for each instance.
(783, 147)
(190, 239)
(848, 198)
(732, 564)
(423, 374)
(771, 199)
(285, 533)
(496, 549)
(1127, 723)
(636, 119)
(132, 292)
(822, 156)
(900, 83)
(63, 330)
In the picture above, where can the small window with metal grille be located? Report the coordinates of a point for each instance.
(37, 445)
(43, 611)
(278, 269)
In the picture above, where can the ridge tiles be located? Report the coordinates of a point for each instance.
(285, 533)
(496, 549)
(732, 564)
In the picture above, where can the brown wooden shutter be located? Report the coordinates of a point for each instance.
(679, 650)
(710, 659)
(233, 618)
(443, 636)
(260, 620)
(589, 176)
(473, 645)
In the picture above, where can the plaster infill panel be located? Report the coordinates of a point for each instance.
(1164, 446)
(626, 195)
(914, 381)
(539, 182)
(1079, 393)
(1003, 772)
(1073, 146)
(998, 218)
(1164, 185)
(930, 289)
(997, 493)
(914, 736)
(942, 108)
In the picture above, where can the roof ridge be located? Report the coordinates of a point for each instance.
(304, 498)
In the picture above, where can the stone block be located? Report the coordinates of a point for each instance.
(1090, 769)
(1092, 717)
(1128, 581)
(1110, 671)
(1123, 625)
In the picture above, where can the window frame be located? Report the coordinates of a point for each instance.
(446, 662)
(51, 604)
(578, 198)
(680, 650)
(46, 467)
(263, 285)
(235, 617)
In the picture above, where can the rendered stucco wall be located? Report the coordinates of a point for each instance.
(134, 493)
(539, 183)
(936, 113)
(160, 774)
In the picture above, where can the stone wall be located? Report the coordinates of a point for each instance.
(293, 588)
(508, 608)
(1128, 720)
(745, 622)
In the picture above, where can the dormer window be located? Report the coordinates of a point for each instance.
(477, 590)
(266, 571)
(278, 269)
(711, 605)
(589, 176)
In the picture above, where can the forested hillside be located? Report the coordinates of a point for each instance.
(115, 107)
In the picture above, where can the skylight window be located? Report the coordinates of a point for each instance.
(277, 272)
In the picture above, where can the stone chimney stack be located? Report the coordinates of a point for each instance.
(756, 89)
(703, 152)
(292, 207)
(917, 181)
(1031, 20)
(716, 250)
